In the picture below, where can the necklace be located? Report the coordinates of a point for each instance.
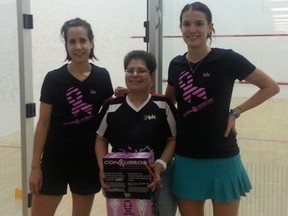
(194, 70)
(199, 63)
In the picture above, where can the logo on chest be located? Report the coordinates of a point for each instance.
(149, 117)
(75, 98)
(186, 83)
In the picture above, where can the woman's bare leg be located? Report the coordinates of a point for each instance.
(44, 205)
(226, 208)
(190, 207)
(82, 204)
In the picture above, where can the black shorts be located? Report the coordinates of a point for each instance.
(79, 171)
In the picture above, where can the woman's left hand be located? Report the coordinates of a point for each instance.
(121, 91)
(156, 168)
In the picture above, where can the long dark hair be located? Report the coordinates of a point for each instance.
(76, 23)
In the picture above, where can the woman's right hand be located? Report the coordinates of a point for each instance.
(103, 184)
(35, 180)
(231, 126)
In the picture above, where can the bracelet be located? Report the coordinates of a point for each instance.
(163, 163)
(234, 113)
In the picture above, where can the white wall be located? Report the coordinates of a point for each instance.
(9, 78)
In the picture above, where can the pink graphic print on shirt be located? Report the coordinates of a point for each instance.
(74, 97)
(189, 90)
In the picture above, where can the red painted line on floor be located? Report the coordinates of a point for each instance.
(279, 83)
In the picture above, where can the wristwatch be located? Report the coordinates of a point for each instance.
(234, 113)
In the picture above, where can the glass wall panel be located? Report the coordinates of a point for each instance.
(115, 23)
(10, 149)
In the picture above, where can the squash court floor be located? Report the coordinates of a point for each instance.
(263, 141)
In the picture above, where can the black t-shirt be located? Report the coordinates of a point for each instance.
(203, 101)
(75, 107)
(143, 129)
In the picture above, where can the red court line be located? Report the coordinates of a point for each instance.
(239, 35)
(224, 36)
(279, 83)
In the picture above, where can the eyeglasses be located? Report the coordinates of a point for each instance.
(137, 70)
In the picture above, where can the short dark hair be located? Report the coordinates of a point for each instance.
(147, 57)
(76, 23)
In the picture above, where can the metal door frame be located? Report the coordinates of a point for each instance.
(26, 96)
(155, 37)
(154, 45)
